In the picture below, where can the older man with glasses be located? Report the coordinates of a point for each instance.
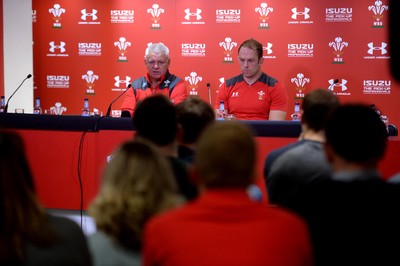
(157, 80)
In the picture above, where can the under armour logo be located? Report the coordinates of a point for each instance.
(333, 84)
(53, 46)
(268, 48)
(381, 48)
(300, 13)
(85, 14)
(119, 81)
(235, 94)
(191, 14)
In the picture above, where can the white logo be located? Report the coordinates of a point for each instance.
(300, 80)
(57, 81)
(190, 14)
(378, 10)
(122, 45)
(56, 11)
(263, 11)
(119, 81)
(268, 48)
(90, 78)
(300, 13)
(85, 14)
(377, 86)
(54, 46)
(333, 84)
(227, 15)
(155, 12)
(381, 48)
(193, 80)
(235, 94)
(338, 46)
(122, 16)
(193, 49)
(58, 109)
(228, 45)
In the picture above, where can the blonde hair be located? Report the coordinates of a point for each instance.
(137, 184)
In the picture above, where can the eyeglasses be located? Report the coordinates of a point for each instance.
(153, 63)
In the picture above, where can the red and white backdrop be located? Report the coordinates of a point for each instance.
(93, 49)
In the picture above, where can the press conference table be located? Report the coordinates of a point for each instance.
(67, 154)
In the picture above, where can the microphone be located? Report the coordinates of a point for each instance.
(6, 107)
(109, 107)
(209, 92)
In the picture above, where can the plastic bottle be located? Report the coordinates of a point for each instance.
(37, 109)
(2, 104)
(85, 109)
(296, 116)
(221, 111)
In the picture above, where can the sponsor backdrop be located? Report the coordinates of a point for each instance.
(93, 49)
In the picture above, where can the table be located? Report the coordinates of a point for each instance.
(67, 154)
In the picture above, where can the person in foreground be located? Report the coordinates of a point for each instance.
(155, 120)
(291, 167)
(354, 217)
(28, 234)
(138, 183)
(157, 80)
(252, 95)
(193, 116)
(223, 226)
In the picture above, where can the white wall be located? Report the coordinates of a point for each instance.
(18, 53)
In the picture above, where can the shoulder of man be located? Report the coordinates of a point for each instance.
(232, 81)
(140, 83)
(268, 80)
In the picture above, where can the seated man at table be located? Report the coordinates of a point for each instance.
(157, 80)
(252, 95)
(224, 226)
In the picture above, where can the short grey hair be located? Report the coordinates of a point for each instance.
(156, 48)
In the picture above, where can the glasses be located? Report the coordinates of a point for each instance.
(153, 63)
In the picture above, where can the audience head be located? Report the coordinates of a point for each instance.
(226, 156)
(155, 120)
(355, 133)
(22, 216)
(317, 105)
(137, 184)
(193, 115)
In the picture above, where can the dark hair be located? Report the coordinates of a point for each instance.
(254, 45)
(317, 105)
(194, 115)
(155, 120)
(23, 219)
(356, 133)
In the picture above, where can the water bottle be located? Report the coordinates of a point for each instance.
(37, 109)
(296, 116)
(85, 110)
(2, 104)
(221, 111)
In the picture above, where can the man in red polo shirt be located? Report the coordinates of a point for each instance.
(252, 95)
(157, 80)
